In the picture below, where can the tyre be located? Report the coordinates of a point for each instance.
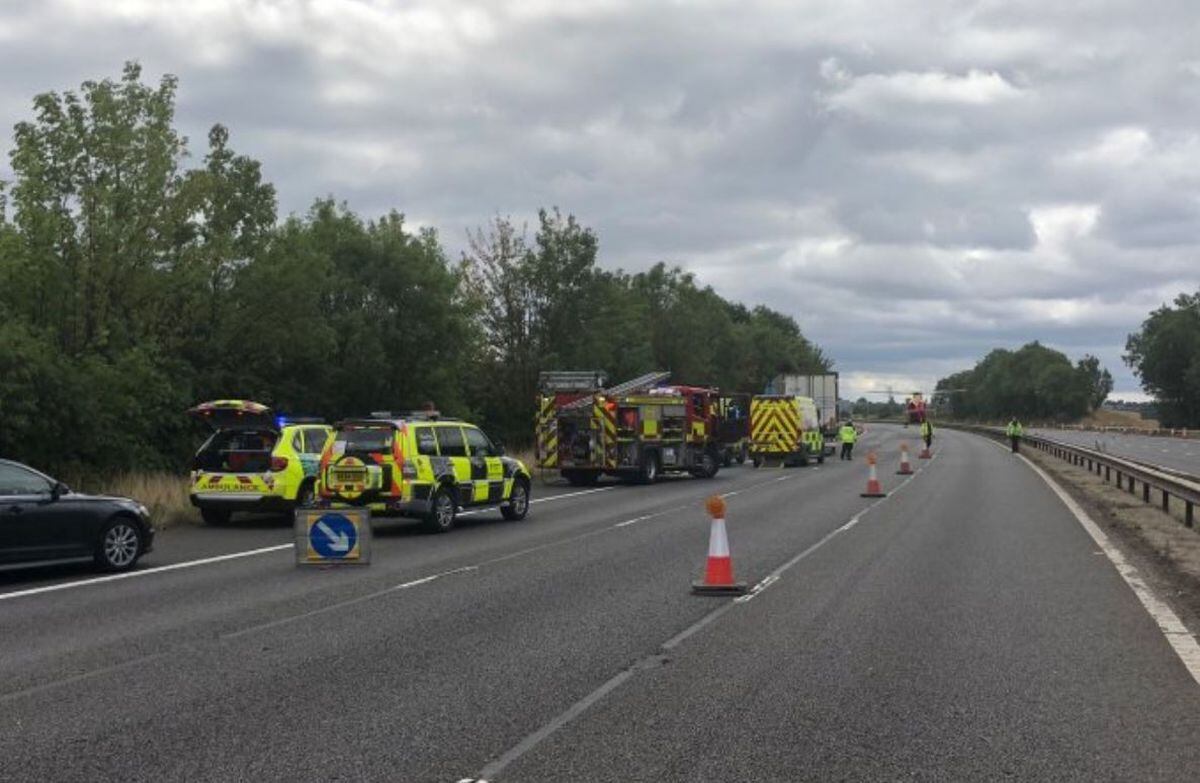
(649, 471)
(443, 508)
(215, 516)
(581, 478)
(305, 495)
(756, 461)
(120, 545)
(708, 466)
(518, 501)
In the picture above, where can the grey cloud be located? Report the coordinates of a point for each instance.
(876, 168)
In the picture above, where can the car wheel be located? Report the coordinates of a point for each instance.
(708, 466)
(649, 472)
(215, 516)
(442, 510)
(305, 495)
(120, 545)
(518, 501)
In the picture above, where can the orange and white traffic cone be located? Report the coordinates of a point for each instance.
(873, 488)
(905, 467)
(718, 573)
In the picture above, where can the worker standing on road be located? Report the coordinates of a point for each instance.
(927, 433)
(848, 435)
(1014, 432)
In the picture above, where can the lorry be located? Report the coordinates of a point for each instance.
(635, 430)
(821, 389)
(785, 429)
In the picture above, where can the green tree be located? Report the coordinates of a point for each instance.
(1165, 354)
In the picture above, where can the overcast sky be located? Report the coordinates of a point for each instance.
(915, 182)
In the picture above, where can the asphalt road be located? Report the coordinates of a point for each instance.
(965, 627)
(1181, 454)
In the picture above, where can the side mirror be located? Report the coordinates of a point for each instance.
(498, 450)
(58, 490)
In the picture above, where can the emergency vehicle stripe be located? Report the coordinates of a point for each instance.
(774, 425)
(547, 433)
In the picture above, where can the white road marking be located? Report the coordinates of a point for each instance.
(496, 767)
(144, 572)
(220, 558)
(1177, 634)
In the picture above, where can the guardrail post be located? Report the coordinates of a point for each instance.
(1187, 514)
(1107, 473)
(1145, 492)
(1166, 501)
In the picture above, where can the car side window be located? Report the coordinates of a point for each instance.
(298, 442)
(426, 442)
(19, 481)
(478, 442)
(315, 439)
(450, 442)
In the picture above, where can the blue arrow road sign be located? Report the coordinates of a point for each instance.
(333, 535)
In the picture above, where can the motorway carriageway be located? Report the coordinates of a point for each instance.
(1179, 454)
(967, 626)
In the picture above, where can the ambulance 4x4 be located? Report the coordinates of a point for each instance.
(421, 465)
(253, 460)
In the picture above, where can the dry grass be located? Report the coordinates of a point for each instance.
(1107, 418)
(165, 494)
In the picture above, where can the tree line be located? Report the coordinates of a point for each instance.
(132, 287)
(1165, 354)
(1031, 383)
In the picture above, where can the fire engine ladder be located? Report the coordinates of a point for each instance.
(641, 383)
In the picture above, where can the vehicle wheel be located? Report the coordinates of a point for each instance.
(442, 510)
(726, 458)
(518, 501)
(821, 458)
(756, 461)
(649, 472)
(215, 516)
(708, 466)
(120, 545)
(581, 478)
(305, 495)
(741, 457)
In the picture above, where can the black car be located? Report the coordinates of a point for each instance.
(42, 519)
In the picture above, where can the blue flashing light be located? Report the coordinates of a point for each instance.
(281, 421)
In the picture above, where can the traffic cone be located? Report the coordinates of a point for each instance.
(905, 467)
(873, 488)
(925, 454)
(718, 573)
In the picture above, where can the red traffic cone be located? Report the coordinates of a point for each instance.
(925, 454)
(905, 467)
(873, 488)
(718, 573)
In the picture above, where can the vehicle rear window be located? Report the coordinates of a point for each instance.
(373, 439)
(450, 442)
(237, 451)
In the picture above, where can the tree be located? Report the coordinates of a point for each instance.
(1165, 354)
(1033, 382)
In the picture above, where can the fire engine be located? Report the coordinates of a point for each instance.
(636, 430)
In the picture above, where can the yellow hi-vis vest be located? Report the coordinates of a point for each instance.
(1015, 430)
(848, 434)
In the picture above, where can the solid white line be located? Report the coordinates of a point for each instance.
(144, 572)
(572, 494)
(1177, 634)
